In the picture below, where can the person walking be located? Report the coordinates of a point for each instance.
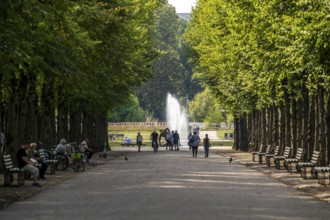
(206, 143)
(154, 140)
(194, 141)
(188, 138)
(139, 140)
(176, 137)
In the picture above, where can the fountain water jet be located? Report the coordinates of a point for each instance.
(177, 118)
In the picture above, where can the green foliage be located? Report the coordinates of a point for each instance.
(205, 108)
(128, 112)
(249, 53)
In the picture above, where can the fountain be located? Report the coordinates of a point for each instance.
(177, 118)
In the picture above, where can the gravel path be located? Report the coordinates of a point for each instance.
(169, 185)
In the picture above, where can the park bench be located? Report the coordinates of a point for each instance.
(10, 171)
(127, 145)
(291, 161)
(304, 166)
(51, 162)
(131, 145)
(115, 136)
(279, 158)
(323, 175)
(267, 151)
(272, 155)
(261, 150)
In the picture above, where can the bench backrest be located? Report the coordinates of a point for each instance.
(7, 161)
(269, 149)
(277, 150)
(299, 154)
(287, 152)
(262, 148)
(316, 157)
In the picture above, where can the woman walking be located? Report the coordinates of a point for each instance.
(194, 142)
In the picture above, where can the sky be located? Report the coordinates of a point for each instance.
(182, 6)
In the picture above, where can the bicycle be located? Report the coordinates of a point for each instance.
(155, 145)
(78, 162)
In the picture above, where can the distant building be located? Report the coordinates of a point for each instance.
(185, 16)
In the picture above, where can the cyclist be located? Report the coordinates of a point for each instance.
(154, 140)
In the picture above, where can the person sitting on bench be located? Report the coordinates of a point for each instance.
(86, 150)
(42, 165)
(26, 164)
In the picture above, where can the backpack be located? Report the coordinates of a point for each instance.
(139, 138)
(191, 139)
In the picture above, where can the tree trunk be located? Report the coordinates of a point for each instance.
(47, 132)
(75, 124)
(311, 129)
(287, 120)
(269, 126)
(12, 123)
(304, 134)
(88, 128)
(250, 130)
(316, 123)
(263, 127)
(282, 127)
(327, 119)
(244, 145)
(63, 121)
(300, 107)
(322, 134)
(276, 126)
(260, 137)
(294, 124)
(236, 134)
(101, 140)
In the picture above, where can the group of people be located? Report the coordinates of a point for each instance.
(31, 162)
(194, 141)
(173, 140)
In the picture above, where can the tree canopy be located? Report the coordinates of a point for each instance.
(249, 53)
(68, 58)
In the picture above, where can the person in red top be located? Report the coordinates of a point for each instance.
(26, 164)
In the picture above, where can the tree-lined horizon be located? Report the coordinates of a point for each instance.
(268, 63)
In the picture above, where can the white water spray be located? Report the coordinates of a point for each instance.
(177, 118)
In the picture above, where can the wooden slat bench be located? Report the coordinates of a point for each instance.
(323, 175)
(272, 155)
(51, 162)
(261, 150)
(278, 159)
(267, 151)
(304, 166)
(10, 170)
(291, 161)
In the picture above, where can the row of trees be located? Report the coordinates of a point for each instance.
(64, 64)
(268, 62)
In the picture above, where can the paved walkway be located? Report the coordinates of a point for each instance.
(169, 185)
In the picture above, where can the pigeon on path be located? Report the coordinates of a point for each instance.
(230, 160)
(126, 158)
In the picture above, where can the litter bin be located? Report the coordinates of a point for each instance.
(226, 135)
